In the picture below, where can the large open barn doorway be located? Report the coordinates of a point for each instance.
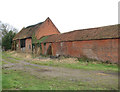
(22, 44)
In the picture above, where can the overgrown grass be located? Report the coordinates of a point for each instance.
(0, 64)
(19, 80)
(4, 62)
(8, 55)
(9, 58)
(0, 70)
(82, 63)
(79, 65)
(0, 58)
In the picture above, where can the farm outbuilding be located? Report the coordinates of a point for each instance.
(44, 38)
(97, 43)
(26, 39)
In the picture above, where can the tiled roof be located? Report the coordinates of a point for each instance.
(27, 32)
(105, 32)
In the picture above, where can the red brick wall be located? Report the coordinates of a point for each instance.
(105, 50)
(28, 45)
(42, 48)
(47, 28)
(45, 48)
(28, 42)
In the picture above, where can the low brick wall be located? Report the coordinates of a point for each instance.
(104, 50)
(28, 45)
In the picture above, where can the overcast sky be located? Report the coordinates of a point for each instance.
(67, 15)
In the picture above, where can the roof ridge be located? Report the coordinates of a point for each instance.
(106, 32)
(34, 25)
(90, 28)
(96, 27)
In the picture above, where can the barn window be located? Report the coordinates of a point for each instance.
(44, 44)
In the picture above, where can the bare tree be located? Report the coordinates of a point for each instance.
(5, 28)
(7, 32)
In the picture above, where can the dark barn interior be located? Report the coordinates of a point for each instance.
(22, 43)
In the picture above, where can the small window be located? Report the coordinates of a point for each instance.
(44, 44)
(29, 46)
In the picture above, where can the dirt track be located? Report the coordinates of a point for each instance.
(93, 77)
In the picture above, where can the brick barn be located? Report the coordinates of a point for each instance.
(97, 43)
(44, 38)
(25, 40)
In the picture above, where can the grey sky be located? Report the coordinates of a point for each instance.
(67, 15)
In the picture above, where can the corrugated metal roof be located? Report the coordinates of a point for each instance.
(86, 34)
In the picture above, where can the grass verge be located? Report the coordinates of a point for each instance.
(20, 80)
(9, 58)
(79, 65)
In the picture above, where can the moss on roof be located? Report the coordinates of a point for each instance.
(34, 40)
(105, 32)
(27, 32)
